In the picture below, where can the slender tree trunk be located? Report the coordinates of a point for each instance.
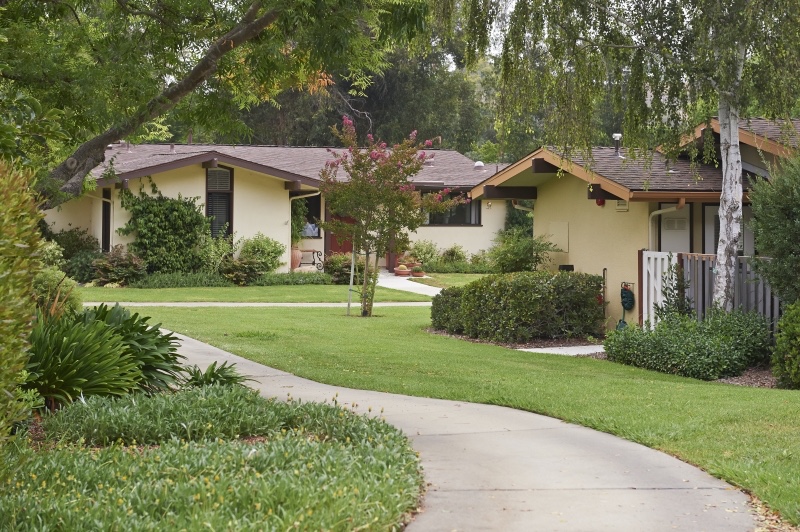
(365, 308)
(730, 205)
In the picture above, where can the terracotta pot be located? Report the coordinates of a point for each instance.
(417, 274)
(402, 273)
(297, 256)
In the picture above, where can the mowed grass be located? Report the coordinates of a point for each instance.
(747, 436)
(244, 294)
(446, 280)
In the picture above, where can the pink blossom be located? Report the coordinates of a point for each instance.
(468, 200)
(446, 191)
(438, 197)
(413, 135)
(370, 138)
(374, 155)
(428, 143)
(382, 146)
(422, 156)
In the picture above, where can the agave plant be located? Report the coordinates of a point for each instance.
(154, 351)
(69, 359)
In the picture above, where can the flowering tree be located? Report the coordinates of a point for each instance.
(376, 193)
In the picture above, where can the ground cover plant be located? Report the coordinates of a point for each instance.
(279, 466)
(747, 436)
(246, 294)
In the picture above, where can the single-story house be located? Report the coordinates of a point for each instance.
(602, 211)
(251, 189)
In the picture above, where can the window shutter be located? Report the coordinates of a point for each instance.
(219, 179)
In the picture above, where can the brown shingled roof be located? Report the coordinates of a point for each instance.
(286, 162)
(780, 132)
(654, 175)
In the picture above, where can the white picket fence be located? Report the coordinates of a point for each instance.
(751, 293)
(653, 267)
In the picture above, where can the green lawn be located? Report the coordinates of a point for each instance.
(749, 437)
(445, 280)
(244, 294)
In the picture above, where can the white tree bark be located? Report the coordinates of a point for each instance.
(730, 205)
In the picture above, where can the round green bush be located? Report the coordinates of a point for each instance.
(263, 250)
(52, 255)
(454, 253)
(51, 283)
(425, 251)
(81, 266)
(786, 355)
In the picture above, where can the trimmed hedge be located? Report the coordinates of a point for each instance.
(446, 310)
(521, 306)
(181, 280)
(786, 356)
(458, 267)
(723, 345)
(292, 278)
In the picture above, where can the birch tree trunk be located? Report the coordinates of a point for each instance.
(730, 205)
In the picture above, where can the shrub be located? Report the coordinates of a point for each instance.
(786, 355)
(119, 266)
(75, 240)
(181, 280)
(263, 250)
(53, 290)
(338, 266)
(723, 345)
(776, 209)
(293, 278)
(481, 258)
(673, 289)
(156, 353)
(168, 231)
(68, 360)
(517, 250)
(222, 375)
(19, 243)
(521, 306)
(241, 272)
(446, 310)
(212, 251)
(81, 266)
(454, 253)
(52, 255)
(425, 251)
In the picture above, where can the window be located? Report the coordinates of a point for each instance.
(463, 214)
(219, 200)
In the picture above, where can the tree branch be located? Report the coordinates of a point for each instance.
(91, 153)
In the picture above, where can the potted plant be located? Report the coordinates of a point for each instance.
(417, 271)
(402, 271)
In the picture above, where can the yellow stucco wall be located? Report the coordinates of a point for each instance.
(471, 238)
(593, 237)
(75, 213)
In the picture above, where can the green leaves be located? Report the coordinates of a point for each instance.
(522, 306)
(68, 361)
(169, 232)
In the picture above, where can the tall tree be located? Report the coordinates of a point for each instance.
(113, 66)
(669, 64)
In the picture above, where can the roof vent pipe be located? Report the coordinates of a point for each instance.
(478, 166)
(172, 148)
(617, 138)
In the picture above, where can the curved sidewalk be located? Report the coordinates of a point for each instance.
(499, 469)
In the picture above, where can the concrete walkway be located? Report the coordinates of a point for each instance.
(390, 280)
(498, 469)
